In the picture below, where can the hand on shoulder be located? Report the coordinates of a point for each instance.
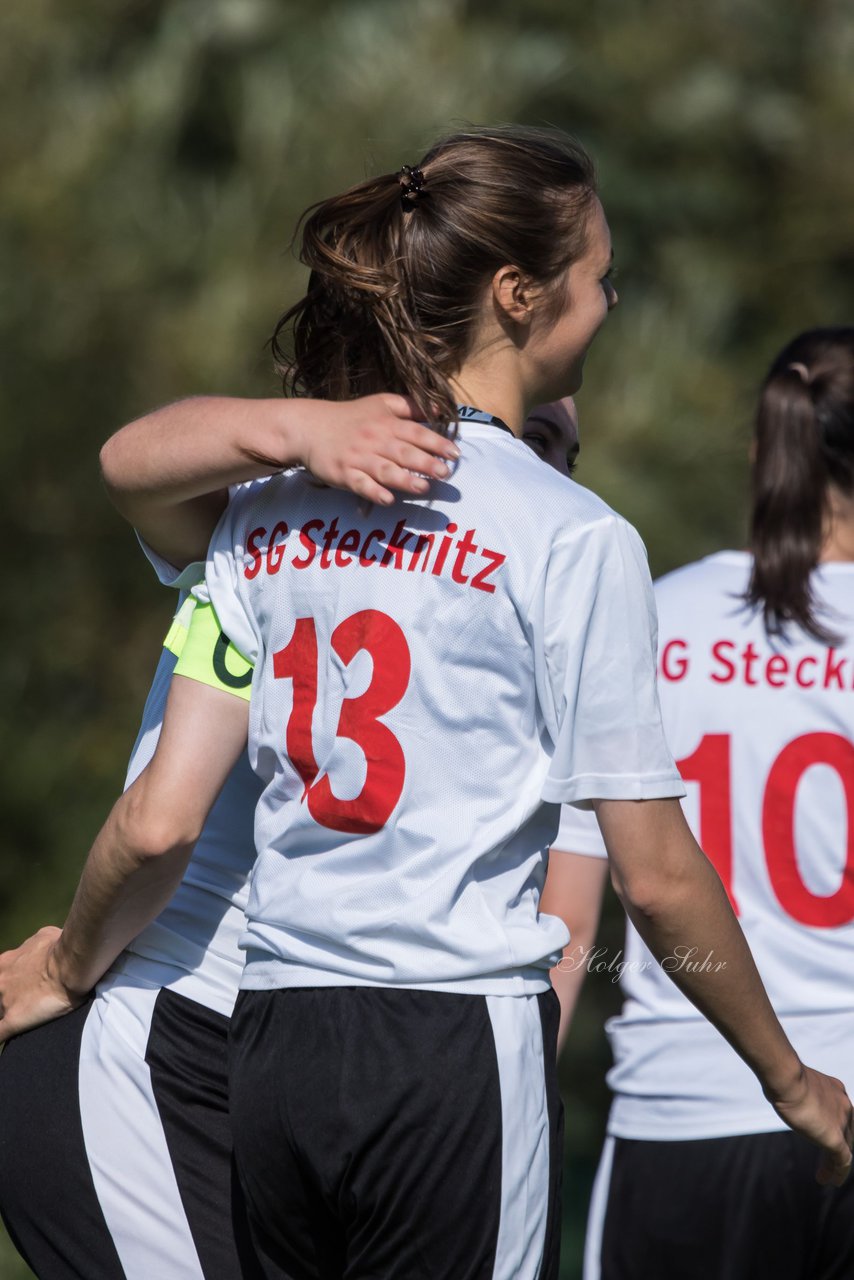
(372, 446)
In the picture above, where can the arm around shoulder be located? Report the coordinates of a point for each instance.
(168, 472)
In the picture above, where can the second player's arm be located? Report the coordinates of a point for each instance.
(675, 900)
(168, 472)
(136, 862)
(573, 891)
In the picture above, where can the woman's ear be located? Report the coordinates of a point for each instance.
(513, 294)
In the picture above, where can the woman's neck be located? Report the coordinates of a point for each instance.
(490, 378)
(839, 528)
(492, 395)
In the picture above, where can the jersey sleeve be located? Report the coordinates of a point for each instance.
(186, 579)
(597, 616)
(208, 656)
(579, 833)
(168, 575)
(225, 585)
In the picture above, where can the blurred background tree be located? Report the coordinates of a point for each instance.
(155, 157)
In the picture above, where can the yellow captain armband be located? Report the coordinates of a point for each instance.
(206, 654)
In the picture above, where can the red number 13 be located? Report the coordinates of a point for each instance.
(359, 720)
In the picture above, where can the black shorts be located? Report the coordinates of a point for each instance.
(399, 1135)
(115, 1143)
(742, 1208)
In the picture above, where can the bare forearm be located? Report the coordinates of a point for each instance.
(142, 851)
(198, 446)
(678, 905)
(567, 979)
(167, 472)
(694, 934)
(122, 888)
(136, 862)
(573, 891)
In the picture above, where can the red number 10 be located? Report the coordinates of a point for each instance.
(710, 766)
(359, 720)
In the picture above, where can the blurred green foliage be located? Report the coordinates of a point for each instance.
(155, 157)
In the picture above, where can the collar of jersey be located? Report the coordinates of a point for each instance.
(466, 413)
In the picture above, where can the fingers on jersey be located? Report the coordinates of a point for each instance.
(405, 461)
(372, 446)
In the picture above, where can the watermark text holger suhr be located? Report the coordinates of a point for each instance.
(597, 960)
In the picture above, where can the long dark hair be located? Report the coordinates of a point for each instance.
(804, 443)
(398, 271)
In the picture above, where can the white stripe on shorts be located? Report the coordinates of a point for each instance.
(125, 1143)
(596, 1214)
(518, 1034)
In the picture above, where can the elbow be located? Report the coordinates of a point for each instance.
(657, 867)
(648, 894)
(110, 460)
(148, 832)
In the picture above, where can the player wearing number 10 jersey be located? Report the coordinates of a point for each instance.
(695, 1177)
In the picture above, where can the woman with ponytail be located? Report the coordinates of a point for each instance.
(803, 478)
(427, 683)
(699, 1176)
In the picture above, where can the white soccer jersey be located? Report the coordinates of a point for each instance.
(763, 735)
(431, 679)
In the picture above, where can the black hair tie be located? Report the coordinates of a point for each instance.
(411, 187)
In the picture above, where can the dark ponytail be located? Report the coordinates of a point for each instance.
(804, 443)
(398, 268)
